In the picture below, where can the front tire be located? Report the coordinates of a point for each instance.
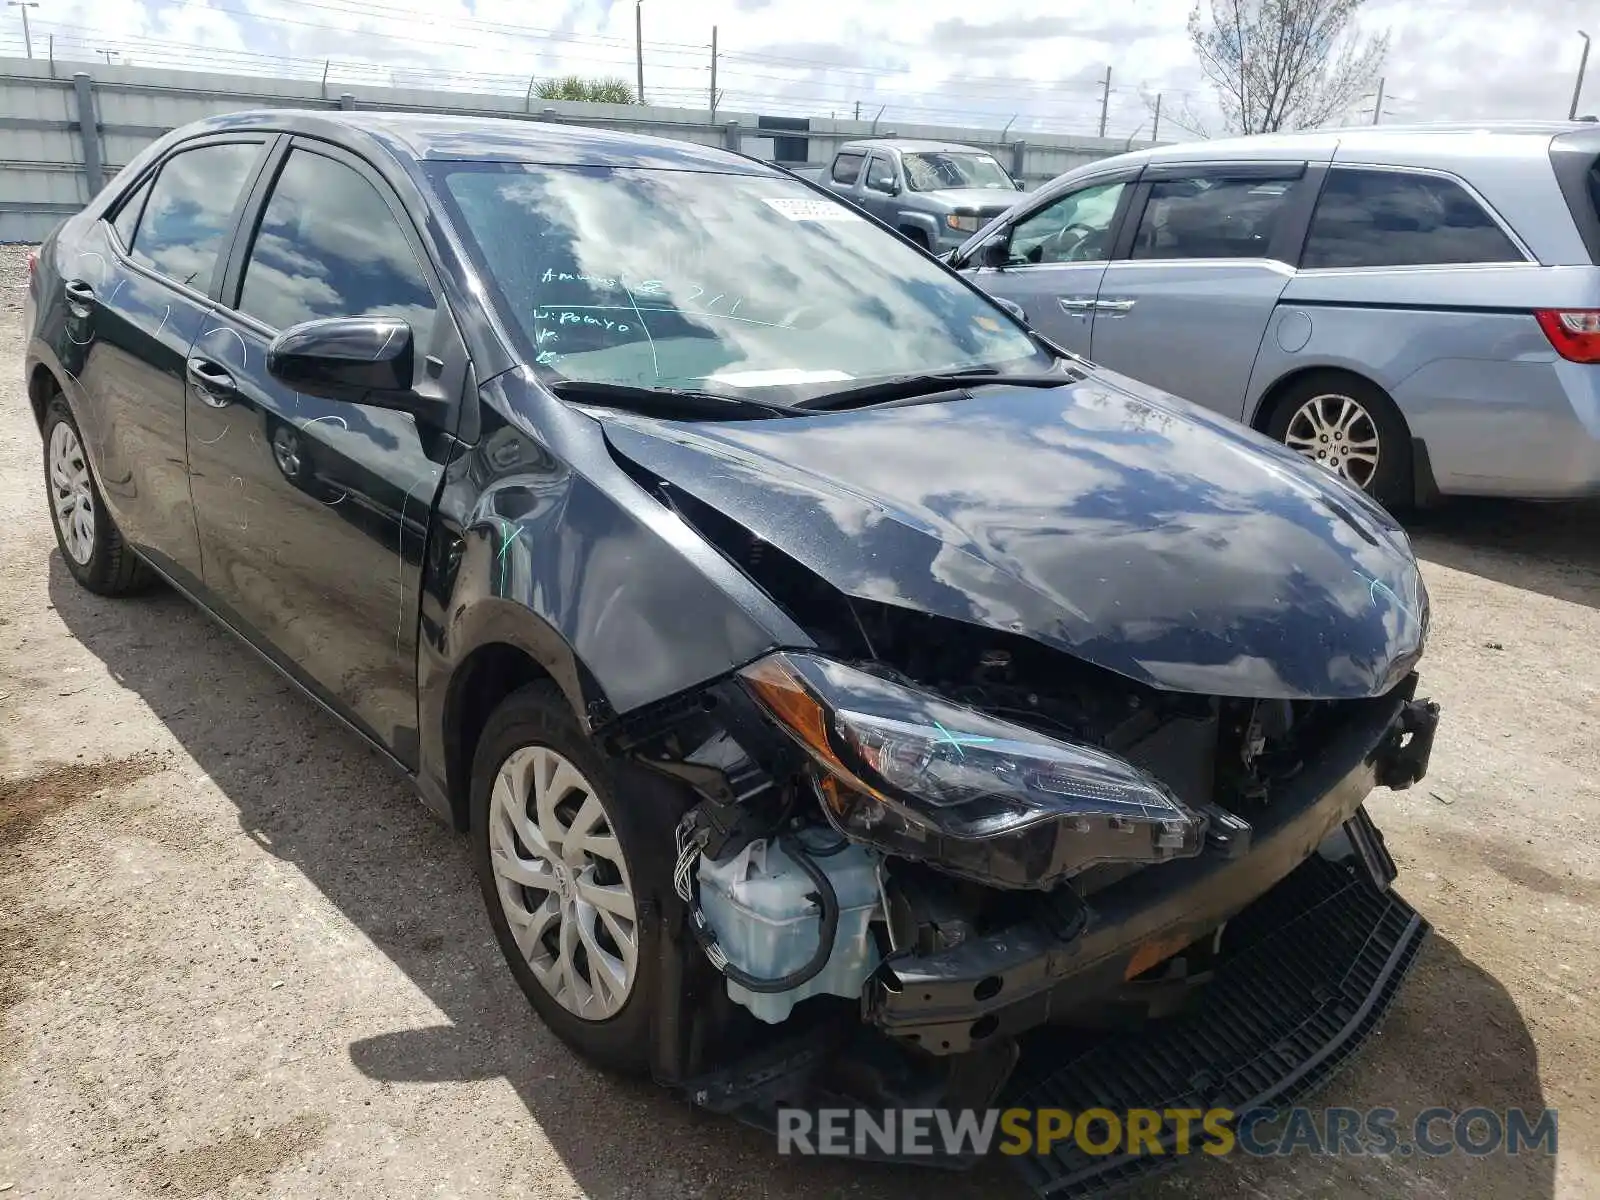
(1350, 427)
(568, 872)
(91, 545)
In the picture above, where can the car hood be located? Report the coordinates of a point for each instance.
(1119, 524)
(989, 199)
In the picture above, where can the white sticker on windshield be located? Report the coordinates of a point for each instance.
(798, 209)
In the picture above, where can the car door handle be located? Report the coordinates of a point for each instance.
(211, 382)
(80, 297)
(1114, 308)
(1078, 306)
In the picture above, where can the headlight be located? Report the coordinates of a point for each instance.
(963, 223)
(925, 779)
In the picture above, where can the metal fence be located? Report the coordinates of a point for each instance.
(66, 130)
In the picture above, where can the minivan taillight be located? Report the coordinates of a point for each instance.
(1574, 332)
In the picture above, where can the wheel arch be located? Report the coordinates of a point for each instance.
(1272, 396)
(511, 650)
(42, 384)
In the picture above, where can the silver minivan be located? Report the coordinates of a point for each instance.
(1418, 309)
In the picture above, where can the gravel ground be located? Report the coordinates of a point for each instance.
(237, 958)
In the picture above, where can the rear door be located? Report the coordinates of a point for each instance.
(1058, 249)
(1185, 306)
(313, 514)
(137, 296)
(844, 177)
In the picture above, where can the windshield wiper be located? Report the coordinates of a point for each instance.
(905, 387)
(664, 401)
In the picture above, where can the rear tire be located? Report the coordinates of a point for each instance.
(91, 545)
(1349, 426)
(563, 859)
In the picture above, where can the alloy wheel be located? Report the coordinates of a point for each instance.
(286, 450)
(1336, 432)
(563, 883)
(71, 494)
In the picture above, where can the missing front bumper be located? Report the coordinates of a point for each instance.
(1323, 958)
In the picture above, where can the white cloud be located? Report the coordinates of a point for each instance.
(937, 61)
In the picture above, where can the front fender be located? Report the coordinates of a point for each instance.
(543, 543)
(911, 218)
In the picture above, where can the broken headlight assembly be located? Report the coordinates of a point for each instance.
(919, 777)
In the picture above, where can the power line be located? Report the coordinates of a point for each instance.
(1038, 108)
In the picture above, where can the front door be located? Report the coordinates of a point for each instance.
(136, 297)
(1057, 252)
(878, 187)
(1186, 310)
(313, 514)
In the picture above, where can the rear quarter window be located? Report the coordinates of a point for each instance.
(1400, 219)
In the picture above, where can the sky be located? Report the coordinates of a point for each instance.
(1037, 64)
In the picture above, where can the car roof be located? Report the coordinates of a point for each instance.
(1396, 145)
(910, 145)
(436, 136)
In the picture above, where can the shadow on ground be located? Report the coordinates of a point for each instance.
(313, 794)
(1548, 548)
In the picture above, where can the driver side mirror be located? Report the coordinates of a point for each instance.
(887, 184)
(996, 252)
(365, 360)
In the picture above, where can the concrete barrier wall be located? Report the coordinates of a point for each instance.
(66, 129)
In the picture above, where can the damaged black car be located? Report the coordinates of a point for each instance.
(851, 698)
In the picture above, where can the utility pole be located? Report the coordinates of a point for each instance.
(1572, 113)
(27, 34)
(1377, 109)
(1155, 128)
(1105, 102)
(108, 54)
(638, 42)
(858, 110)
(713, 74)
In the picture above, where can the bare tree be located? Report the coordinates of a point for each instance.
(1284, 64)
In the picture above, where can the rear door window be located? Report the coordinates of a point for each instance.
(1211, 217)
(329, 246)
(847, 166)
(1401, 219)
(187, 219)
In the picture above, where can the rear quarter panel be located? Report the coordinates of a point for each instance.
(1459, 351)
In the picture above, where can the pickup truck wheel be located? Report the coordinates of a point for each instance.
(916, 235)
(91, 545)
(562, 867)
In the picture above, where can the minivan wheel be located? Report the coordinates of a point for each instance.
(564, 876)
(91, 546)
(1351, 428)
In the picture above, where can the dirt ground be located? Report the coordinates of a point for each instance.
(237, 957)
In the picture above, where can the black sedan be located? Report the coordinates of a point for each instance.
(850, 697)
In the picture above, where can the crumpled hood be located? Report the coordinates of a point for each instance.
(1122, 525)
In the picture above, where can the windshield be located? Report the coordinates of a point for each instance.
(740, 285)
(935, 171)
